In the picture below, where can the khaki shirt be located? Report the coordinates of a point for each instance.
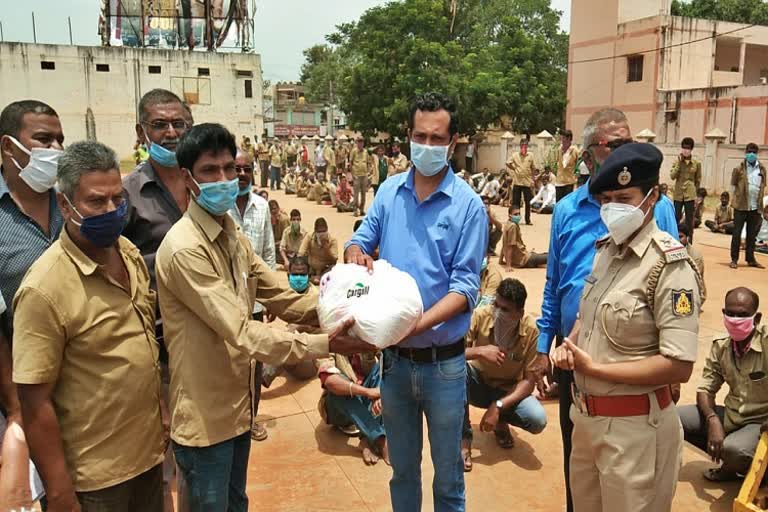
(342, 152)
(330, 156)
(617, 322)
(208, 278)
(290, 243)
(521, 168)
(278, 228)
(360, 161)
(490, 279)
(263, 151)
(399, 164)
(78, 329)
(339, 364)
(723, 214)
(687, 177)
(512, 237)
(747, 379)
(276, 156)
(519, 346)
(291, 149)
(566, 166)
(740, 184)
(320, 256)
(302, 187)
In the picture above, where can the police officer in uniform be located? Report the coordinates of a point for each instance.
(636, 335)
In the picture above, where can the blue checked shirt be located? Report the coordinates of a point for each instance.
(22, 242)
(576, 227)
(441, 242)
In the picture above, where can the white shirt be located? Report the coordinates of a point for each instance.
(257, 227)
(319, 159)
(470, 150)
(583, 169)
(546, 196)
(754, 180)
(491, 189)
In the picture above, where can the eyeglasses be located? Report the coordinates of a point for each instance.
(243, 168)
(162, 125)
(612, 145)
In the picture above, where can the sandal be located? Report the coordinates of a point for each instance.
(504, 439)
(466, 457)
(718, 475)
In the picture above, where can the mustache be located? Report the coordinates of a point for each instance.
(171, 142)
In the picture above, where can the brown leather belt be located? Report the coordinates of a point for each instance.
(619, 405)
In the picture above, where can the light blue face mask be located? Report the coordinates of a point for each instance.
(515, 219)
(429, 160)
(751, 158)
(161, 155)
(298, 282)
(219, 197)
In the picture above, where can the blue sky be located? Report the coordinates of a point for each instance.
(283, 27)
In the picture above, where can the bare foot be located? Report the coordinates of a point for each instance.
(382, 449)
(369, 457)
(466, 454)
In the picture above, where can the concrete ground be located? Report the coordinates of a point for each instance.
(305, 465)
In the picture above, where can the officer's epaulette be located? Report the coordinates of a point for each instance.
(673, 250)
(601, 242)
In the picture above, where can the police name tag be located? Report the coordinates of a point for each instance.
(676, 255)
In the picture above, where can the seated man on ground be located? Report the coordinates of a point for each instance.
(729, 434)
(321, 249)
(693, 252)
(351, 401)
(344, 200)
(513, 251)
(491, 190)
(544, 200)
(723, 222)
(323, 192)
(501, 347)
(293, 235)
(495, 227)
(289, 180)
(302, 184)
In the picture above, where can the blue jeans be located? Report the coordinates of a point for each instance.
(345, 410)
(528, 414)
(438, 391)
(216, 475)
(274, 177)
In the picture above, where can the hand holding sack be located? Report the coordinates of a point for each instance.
(386, 305)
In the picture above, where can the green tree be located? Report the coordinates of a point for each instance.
(323, 72)
(500, 59)
(737, 11)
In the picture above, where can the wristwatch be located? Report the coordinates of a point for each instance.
(499, 404)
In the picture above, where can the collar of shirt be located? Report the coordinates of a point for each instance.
(639, 245)
(446, 186)
(86, 265)
(583, 195)
(210, 227)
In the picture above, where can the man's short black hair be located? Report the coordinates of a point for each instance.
(752, 148)
(514, 291)
(12, 116)
(295, 213)
(298, 260)
(725, 193)
(568, 134)
(204, 138)
(701, 192)
(273, 202)
(433, 102)
(742, 289)
(687, 143)
(320, 223)
(159, 97)
(682, 228)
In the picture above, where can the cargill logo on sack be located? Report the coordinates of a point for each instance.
(358, 291)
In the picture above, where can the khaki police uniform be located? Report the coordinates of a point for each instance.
(687, 177)
(329, 154)
(521, 170)
(641, 300)
(397, 164)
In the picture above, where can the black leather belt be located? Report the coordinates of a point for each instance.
(430, 354)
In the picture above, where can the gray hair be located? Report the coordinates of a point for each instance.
(599, 119)
(82, 158)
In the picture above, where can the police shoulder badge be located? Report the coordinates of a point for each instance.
(682, 302)
(624, 177)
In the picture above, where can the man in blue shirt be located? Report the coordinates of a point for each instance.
(576, 226)
(427, 222)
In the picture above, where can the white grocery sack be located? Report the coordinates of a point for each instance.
(385, 305)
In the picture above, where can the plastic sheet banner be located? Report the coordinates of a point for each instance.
(174, 23)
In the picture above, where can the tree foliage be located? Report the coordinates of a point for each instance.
(737, 11)
(504, 61)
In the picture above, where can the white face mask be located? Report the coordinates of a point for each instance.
(623, 220)
(502, 327)
(40, 172)
(429, 160)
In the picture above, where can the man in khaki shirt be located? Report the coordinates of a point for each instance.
(262, 150)
(398, 162)
(342, 154)
(85, 354)
(321, 249)
(567, 158)
(501, 346)
(208, 279)
(521, 167)
(329, 153)
(276, 164)
(513, 253)
(361, 162)
(730, 432)
(293, 235)
(686, 173)
(723, 222)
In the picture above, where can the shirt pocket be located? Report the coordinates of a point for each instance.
(617, 310)
(758, 389)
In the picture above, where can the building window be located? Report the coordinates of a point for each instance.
(103, 68)
(194, 90)
(635, 68)
(241, 73)
(47, 64)
(154, 70)
(203, 71)
(249, 88)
